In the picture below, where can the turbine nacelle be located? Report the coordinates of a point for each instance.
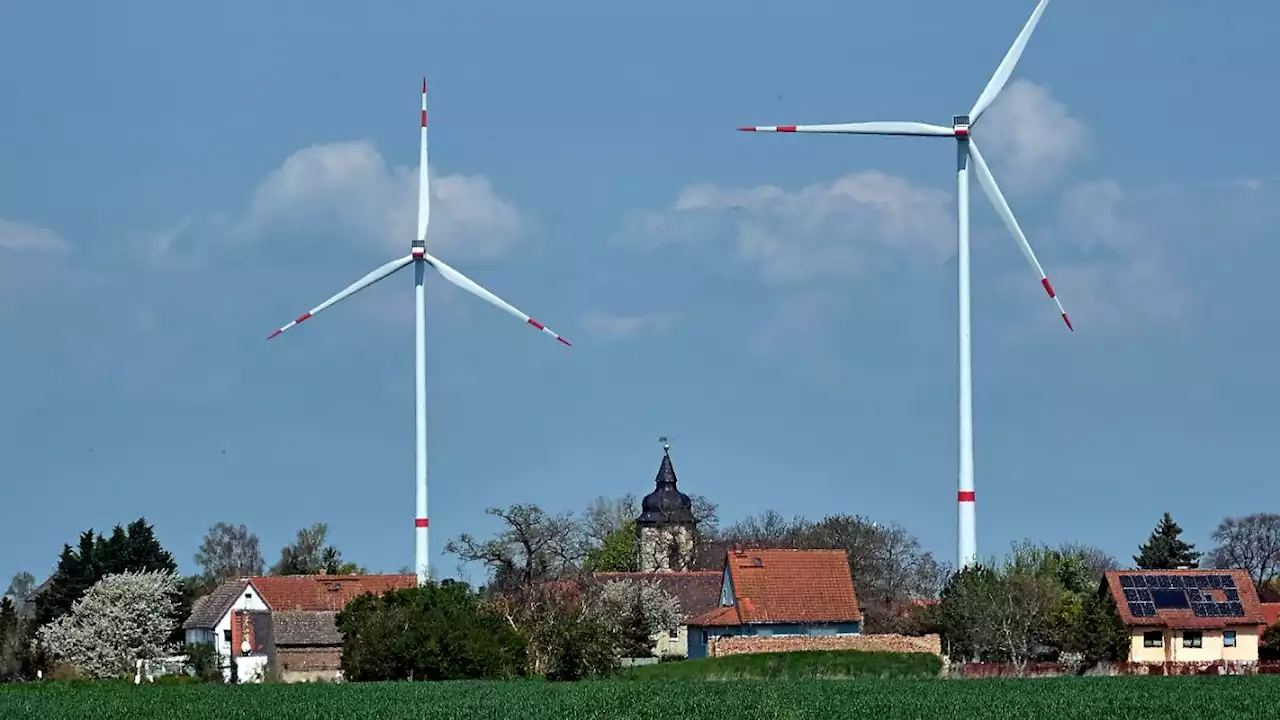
(960, 125)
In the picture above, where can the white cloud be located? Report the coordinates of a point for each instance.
(835, 229)
(1118, 267)
(25, 237)
(348, 187)
(626, 327)
(1033, 139)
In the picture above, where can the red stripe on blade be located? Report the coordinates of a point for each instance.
(420, 522)
(786, 128)
(1067, 320)
(746, 129)
(536, 324)
(1047, 287)
(302, 317)
(424, 118)
(274, 334)
(966, 496)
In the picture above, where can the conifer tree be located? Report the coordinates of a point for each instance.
(1164, 550)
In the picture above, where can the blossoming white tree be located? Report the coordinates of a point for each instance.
(660, 608)
(120, 619)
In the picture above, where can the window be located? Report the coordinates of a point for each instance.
(1192, 639)
(1229, 638)
(1153, 638)
(226, 634)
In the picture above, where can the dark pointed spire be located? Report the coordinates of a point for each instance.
(666, 504)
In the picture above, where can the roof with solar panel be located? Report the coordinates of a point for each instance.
(1185, 598)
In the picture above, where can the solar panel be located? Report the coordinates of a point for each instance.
(1228, 581)
(1176, 581)
(1233, 609)
(1130, 594)
(1195, 596)
(1126, 581)
(1233, 595)
(1170, 598)
(1215, 581)
(1142, 609)
(1144, 594)
(1139, 581)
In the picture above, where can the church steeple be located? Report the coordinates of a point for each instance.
(666, 504)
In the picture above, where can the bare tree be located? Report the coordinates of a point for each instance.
(229, 551)
(605, 517)
(20, 588)
(1249, 543)
(769, 529)
(532, 547)
(1097, 560)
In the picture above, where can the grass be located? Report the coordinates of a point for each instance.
(823, 664)
(1128, 698)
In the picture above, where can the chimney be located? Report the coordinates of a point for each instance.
(323, 572)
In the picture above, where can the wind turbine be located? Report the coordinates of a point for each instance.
(421, 260)
(967, 150)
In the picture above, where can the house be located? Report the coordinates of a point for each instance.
(767, 593)
(1187, 615)
(698, 593)
(286, 620)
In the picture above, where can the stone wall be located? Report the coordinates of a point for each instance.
(736, 645)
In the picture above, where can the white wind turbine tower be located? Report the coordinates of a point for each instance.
(421, 260)
(967, 150)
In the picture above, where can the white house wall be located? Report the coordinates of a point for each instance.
(220, 642)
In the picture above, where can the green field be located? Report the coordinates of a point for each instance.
(1122, 698)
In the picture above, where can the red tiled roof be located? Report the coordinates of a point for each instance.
(324, 592)
(1270, 616)
(787, 586)
(1186, 619)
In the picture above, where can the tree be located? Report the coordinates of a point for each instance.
(604, 518)
(532, 547)
(1164, 550)
(1269, 643)
(229, 551)
(566, 639)
(430, 632)
(20, 588)
(619, 552)
(309, 555)
(122, 618)
(1249, 543)
(1102, 635)
(10, 641)
(636, 611)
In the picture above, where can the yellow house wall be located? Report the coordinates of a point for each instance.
(664, 644)
(1211, 649)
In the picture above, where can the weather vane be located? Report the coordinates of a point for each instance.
(666, 445)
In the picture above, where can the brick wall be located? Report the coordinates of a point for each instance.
(719, 647)
(308, 659)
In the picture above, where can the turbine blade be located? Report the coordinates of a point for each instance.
(474, 288)
(1005, 70)
(351, 289)
(424, 186)
(988, 183)
(866, 128)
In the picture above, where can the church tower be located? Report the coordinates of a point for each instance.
(666, 524)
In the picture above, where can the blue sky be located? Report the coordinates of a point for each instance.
(178, 182)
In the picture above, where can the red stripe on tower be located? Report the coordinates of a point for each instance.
(420, 522)
(966, 496)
